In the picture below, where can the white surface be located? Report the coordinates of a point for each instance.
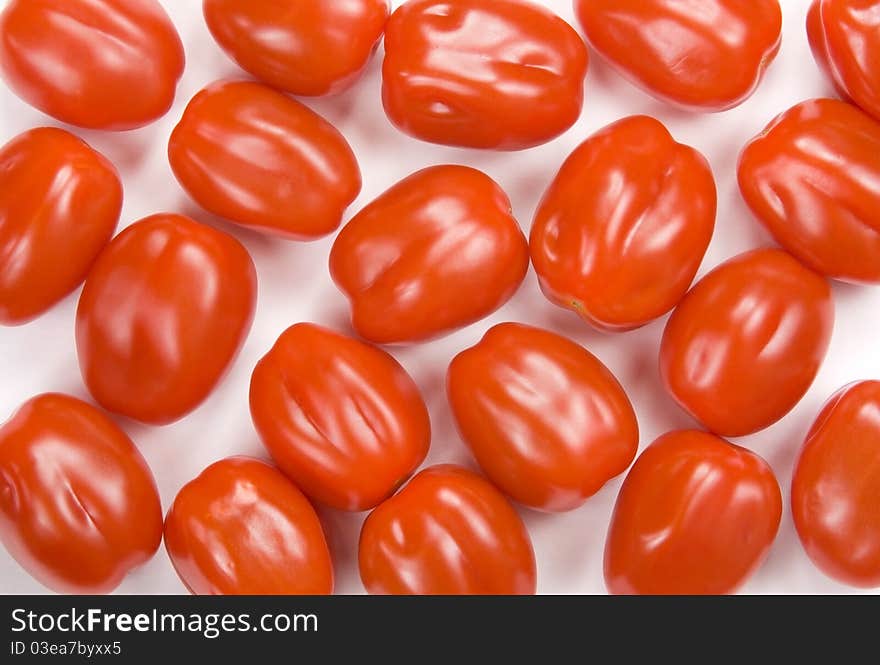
(295, 286)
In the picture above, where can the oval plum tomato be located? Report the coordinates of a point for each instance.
(448, 531)
(546, 420)
(242, 528)
(709, 55)
(744, 345)
(621, 233)
(436, 252)
(341, 418)
(78, 505)
(499, 74)
(845, 38)
(695, 515)
(812, 178)
(102, 64)
(163, 314)
(59, 206)
(836, 484)
(306, 47)
(255, 156)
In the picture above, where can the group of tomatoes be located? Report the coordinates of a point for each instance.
(618, 239)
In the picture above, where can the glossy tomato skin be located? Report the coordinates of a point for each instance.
(341, 418)
(242, 528)
(59, 206)
(695, 515)
(834, 228)
(621, 232)
(836, 484)
(162, 315)
(708, 56)
(79, 507)
(436, 252)
(447, 532)
(461, 73)
(101, 64)
(845, 39)
(548, 423)
(306, 47)
(255, 156)
(742, 348)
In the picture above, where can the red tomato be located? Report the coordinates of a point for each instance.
(307, 47)
(59, 206)
(78, 505)
(242, 528)
(436, 252)
(501, 74)
(103, 64)
(813, 179)
(695, 515)
(621, 233)
(546, 420)
(836, 485)
(448, 531)
(341, 418)
(708, 55)
(745, 344)
(163, 314)
(845, 38)
(259, 158)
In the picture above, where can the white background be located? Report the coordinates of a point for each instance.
(295, 286)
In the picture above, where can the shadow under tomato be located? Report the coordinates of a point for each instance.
(255, 241)
(342, 531)
(573, 541)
